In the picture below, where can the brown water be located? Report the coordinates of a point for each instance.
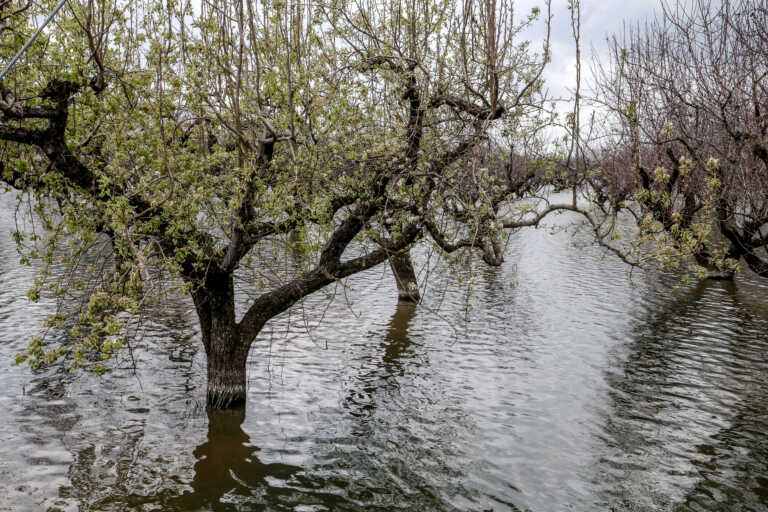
(559, 387)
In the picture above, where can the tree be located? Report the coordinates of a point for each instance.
(689, 153)
(274, 147)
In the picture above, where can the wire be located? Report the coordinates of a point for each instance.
(31, 40)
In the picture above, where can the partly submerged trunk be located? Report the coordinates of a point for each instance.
(704, 260)
(405, 277)
(227, 358)
(225, 349)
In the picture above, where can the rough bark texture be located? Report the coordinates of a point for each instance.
(226, 351)
(226, 372)
(405, 277)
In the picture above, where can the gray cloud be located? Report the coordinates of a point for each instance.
(599, 20)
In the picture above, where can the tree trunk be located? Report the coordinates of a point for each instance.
(225, 348)
(703, 260)
(405, 277)
(227, 359)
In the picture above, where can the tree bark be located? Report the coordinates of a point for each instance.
(225, 349)
(405, 277)
(227, 359)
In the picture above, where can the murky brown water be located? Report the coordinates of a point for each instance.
(562, 387)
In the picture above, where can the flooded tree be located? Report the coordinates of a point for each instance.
(688, 153)
(234, 150)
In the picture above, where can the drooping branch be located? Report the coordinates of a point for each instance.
(540, 216)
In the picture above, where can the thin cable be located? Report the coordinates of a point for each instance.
(31, 40)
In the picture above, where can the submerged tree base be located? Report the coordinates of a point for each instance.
(227, 397)
(226, 382)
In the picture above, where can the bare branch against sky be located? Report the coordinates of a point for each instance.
(600, 19)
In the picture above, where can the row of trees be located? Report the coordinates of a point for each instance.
(274, 148)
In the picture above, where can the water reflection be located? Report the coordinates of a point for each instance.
(555, 386)
(689, 401)
(227, 466)
(83, 442)
(379, 374)
(396, 342)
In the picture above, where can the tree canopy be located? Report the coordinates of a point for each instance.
(235, 148)
(192, 147)
(685, 97)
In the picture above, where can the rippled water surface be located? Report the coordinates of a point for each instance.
(556, 385)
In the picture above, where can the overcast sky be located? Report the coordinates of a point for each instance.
(599, 19)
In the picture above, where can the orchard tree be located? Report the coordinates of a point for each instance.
(688, 146)
(271, 147)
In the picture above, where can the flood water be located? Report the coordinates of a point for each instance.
(556, 385)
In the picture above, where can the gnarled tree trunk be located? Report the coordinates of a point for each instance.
(225, 349)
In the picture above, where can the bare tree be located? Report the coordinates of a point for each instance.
(687, 151)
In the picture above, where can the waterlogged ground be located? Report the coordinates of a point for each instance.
(558, 386)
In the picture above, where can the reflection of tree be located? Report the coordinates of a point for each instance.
(740, 450)
(399, 450)
(381, 377)
(396, 343)
(106, 424)
(227, 464)
(690, 404)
